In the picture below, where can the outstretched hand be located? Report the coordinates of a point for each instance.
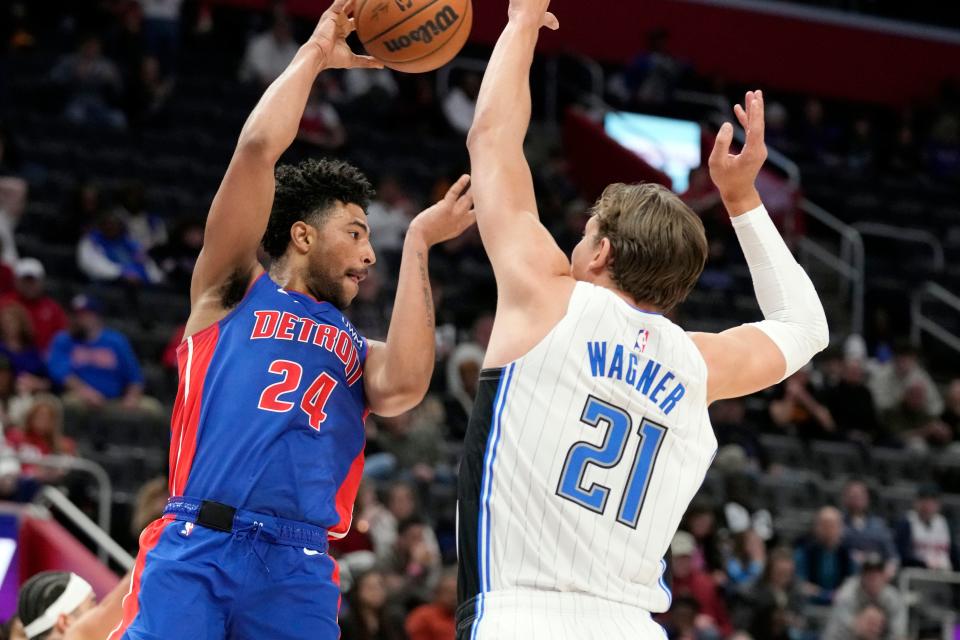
(448, 218)
(330, 37)
(533, 12)
(736, 174)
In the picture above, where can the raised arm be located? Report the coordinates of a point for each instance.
(751, 357)
(533, 274)
(397, 373)
(241, 208)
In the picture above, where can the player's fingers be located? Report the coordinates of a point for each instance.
(721, 148)
(459, 187)
(341, 6)
(351, 26)
(759, 125)
(367, 62)
(464, 204)
(550, 21)
(741, 114)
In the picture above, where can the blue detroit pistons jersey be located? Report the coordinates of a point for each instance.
(270, 410)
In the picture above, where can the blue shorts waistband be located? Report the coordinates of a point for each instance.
(270, 528)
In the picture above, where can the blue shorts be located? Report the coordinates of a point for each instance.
(265, 578)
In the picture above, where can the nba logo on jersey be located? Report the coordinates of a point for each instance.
(642, 338)
(187, 529)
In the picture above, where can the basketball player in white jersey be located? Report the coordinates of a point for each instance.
(590, 433)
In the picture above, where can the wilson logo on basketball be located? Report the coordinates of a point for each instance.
(445, 18)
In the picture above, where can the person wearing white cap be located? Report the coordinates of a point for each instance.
(46, 315)
(59, 605)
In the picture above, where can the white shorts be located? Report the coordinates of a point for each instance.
(548, 615)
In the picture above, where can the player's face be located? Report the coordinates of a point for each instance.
(339, 261)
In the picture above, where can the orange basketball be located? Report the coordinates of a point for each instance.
(414, 36)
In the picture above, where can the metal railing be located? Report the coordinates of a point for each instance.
(848, 262)
(82, 465)
(908, 577)
(108, 548)
(921, 323)
(906, 234)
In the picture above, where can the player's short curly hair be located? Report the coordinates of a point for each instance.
(306, 192)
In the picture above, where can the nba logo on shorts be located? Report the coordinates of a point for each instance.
(187, 529)
(642, 338)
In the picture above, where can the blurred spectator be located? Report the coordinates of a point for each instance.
(14, 403)
(904, 158)
(816, 139)
(146, 229)
(42, 435)
(320, 125)
(93, 85)
(97, 366)
(80, 212)
(924, 537)
(371, 308)
(866, 533)
(460, 104)
(17, 345)
(47, 317)
(797, 410)
(778, 594)
(178, 256)
(108, 253)
(389, 215)
(951, 412)
(701, 522)
(412, 566)
(891, 381)
(463, 377)
(365, 617)
(148, 505)
(747, 559)
(691, 582)
(823, 560)
(13, 190)
(861, 152)
(414, 439)
(436, 620)
(685, 621)
(870, 589)
(732, 427)
(652, 75)
(147, 93)
(269, 53)
(910, 422)
(850, 402)
(161, 31)
(370, 87)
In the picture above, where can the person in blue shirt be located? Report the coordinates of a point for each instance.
(96, 366)
(823, 559)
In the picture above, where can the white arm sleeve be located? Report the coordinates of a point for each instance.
(793, 315)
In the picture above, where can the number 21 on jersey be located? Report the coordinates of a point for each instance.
(618, 425)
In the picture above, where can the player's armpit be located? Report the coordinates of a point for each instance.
(740, 361)
(389, 392)
(238, 218)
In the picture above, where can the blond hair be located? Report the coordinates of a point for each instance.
(658, 244)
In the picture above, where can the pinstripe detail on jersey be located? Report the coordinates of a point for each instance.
(483, 530)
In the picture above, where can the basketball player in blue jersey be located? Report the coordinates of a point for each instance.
(590, 433)
(267, 440)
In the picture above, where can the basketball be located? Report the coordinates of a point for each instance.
(414, 36)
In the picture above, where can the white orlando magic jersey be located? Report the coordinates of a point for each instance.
(581, 457)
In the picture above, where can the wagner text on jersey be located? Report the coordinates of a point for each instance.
(645, 375)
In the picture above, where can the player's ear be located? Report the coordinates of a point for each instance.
(62, 623)
(303, 236)
(602, 255)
